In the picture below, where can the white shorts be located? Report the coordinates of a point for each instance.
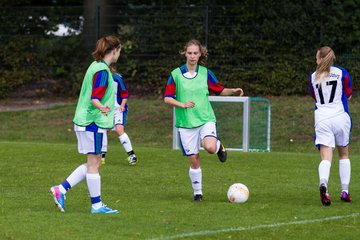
(92, 141)
(334, 131)
(191, 137)
(120, 117)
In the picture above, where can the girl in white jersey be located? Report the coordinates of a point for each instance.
(121, 111)
(331, 88)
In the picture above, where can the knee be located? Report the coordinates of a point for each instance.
(93, 168)
(120, 132)
(210, 149)
(194, 162)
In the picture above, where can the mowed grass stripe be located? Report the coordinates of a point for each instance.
(250, 228)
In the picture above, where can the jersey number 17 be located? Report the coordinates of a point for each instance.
(333, 90)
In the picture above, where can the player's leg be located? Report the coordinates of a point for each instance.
(195, 175)
(120, 122)
(345, 173)
(92, 176)
(324, 174)
(325, 140)
(58, 192)
(103, 154)
(342, 138)
(126, 142)
(325, 164)
(211, 142)
(189, 139)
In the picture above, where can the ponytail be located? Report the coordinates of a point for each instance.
(323, 69)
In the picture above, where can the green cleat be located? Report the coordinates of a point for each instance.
(132, 159)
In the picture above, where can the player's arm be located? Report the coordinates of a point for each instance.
(347, 84)
(176, 103)
(232, 92)
(170, 97)
(311, 89)
(100, 83)
(122, 91)
(104, 109)
(123, 103)
(215, 86)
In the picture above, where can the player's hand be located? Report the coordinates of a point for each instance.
(104, 110)
(189, 104)
(122, 108)
(238, 92)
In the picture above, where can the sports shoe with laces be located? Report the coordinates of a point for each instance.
(345, 197)
(198, 198)
(104, 209)
(132, 159)
(324, 196)
(59, 198)
(222, 154)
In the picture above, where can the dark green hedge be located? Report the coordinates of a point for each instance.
(268, 48)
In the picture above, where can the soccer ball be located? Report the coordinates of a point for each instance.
(238, 193)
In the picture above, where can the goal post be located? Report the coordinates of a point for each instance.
(243, 123)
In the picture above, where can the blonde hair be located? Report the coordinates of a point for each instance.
(104, 46)
(323, 68)
(203, 50)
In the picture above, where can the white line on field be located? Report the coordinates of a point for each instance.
(262, 226)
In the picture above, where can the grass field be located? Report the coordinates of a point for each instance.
(38, 150)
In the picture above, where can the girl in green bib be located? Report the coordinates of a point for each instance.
(188, 90)
(93, 117)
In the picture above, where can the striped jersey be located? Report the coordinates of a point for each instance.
(332, 94)
(121, 91)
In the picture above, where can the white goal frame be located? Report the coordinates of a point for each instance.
(246, 121)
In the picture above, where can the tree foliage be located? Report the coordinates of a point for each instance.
(266, 47)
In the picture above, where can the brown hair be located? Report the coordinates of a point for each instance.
(328, 59)
(203, 50)
(105, 45)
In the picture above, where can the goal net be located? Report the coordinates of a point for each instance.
(243, 123)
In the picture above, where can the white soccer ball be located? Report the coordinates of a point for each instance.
(238, 193)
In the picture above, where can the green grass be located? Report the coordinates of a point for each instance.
(149, 124)
(154, 197)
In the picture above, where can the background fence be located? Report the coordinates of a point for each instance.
(266, 48)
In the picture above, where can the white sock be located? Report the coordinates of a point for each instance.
(77, 175)
(125, 141)
(217, 146)
(324, 172)
(196, 177)
(94, 186)
(345, 173)
(74, 178)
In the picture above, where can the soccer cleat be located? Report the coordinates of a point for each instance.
(132, 159)
(345, 197)
(222, 154)
(59, 198)
(103, 159)
(198, 198)
(104, 209)
(324, 196)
